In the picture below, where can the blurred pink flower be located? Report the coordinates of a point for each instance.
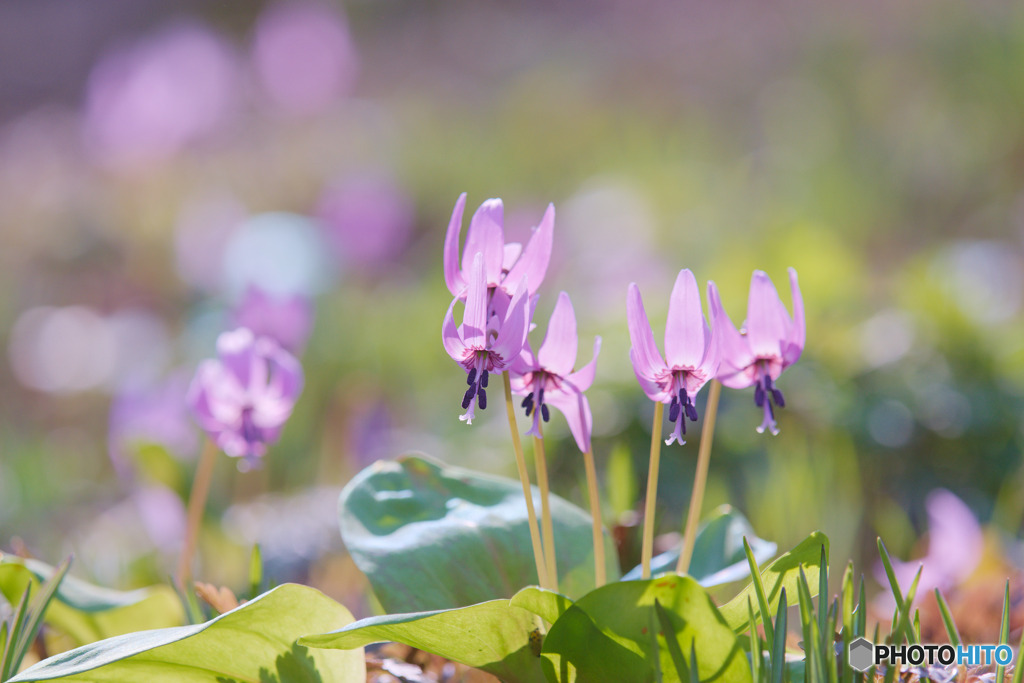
(147, 101)
(368, 219)
(484, 342)
(691, 350)
(244, 396)
(547, 377)
(153, 415)
(303, 56)
(770, 342)
(287, 320)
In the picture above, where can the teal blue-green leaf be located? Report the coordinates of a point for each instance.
(718, 555)
(606, 635)
(548, 605)
(413, 525)
(85, 613)
(784, 572)
(494, 636)
(254, 643)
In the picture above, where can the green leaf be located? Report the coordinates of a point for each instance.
(413, 524)
(782, 573)
(494, 636)
(87, 613)
(779, 647)
(548, 605)
(606, 635)
(718, 555)
(254, 643)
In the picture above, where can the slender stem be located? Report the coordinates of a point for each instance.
(595, 514)
(196, 505)
(547, 526)
(652, 492)
(700, 478)
(524, 477)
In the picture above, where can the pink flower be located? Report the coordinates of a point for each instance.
(244, 396)
(547, 377)
(770, 342)
(484, 342)
(287, 320)
(691, 351)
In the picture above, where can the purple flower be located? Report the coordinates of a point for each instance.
(770, 342)
(484, 342)
(244, 396)
(504, 265)
(368, 219)
(155, 414)
(546, 378)
(691, 351)
(288, 320)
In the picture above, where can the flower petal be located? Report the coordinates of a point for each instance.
(684, 328)
(514, 328)
(450, 337)
(649, 386)
(644, 353)
(584, 377)
(533, 264)
(576, 409)
(237, 351)
(797, 333)
(511, 255)
(558, 352)
(487, 237)
(524, 364)
(452, 273)
(734, 351)
(474, 318)
(767, 321)
(712, 342)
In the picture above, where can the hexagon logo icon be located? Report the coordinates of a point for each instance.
(862, 654)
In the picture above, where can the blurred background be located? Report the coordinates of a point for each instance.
(158, 160)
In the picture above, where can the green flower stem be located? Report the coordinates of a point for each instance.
(196, 506)
(547, 527)
(652, 492)
(700, 478)
(595, 514)
(524, 477)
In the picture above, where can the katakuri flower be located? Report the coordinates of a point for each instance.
(288, 320)
(547, 377)
(691, 351)
(770, 342)
(243, 397)
(505, 265)
(484, 343)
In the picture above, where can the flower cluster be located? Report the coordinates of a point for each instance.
(498, 284)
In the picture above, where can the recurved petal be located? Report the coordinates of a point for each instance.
(733, 349)
(576, 409)
(533, 264)
(514, 328)
(487, 236)
(797, 333)
(237, 351)
(644, 353)
(558, 352)
(712, 341)
(684, 329)
(474, 319)
(767, 321)
(452, 273)
(453, 343)
(584, 377)
(649, 386)
(525, 363)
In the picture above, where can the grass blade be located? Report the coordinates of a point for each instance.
(756, 660)
(762, 601)
(255, 571)
(38, 610)
(10, 647)
(779, 645)
(1004, 630)
(823, 598)
(947, 620)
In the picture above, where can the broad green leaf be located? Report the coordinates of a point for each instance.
(413, 524)
(784, 572)
(718, 555)
(86, 613)
(254, 643)
(494, 636)
(606, 635)
(546, 604)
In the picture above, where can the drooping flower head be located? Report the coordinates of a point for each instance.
(504, 265)
(287, 320)
(484, 342)
(547, 377)
(770, 342)
(243, 397)
(691, 351)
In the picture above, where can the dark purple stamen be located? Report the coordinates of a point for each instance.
(471, 379)
(483, 378)
(780, 401)
(545, 413)
(758, 395)
(673, 410)
(468, 397)
(250, 432)
(481, 399)
(765, 394)
(691, 412)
